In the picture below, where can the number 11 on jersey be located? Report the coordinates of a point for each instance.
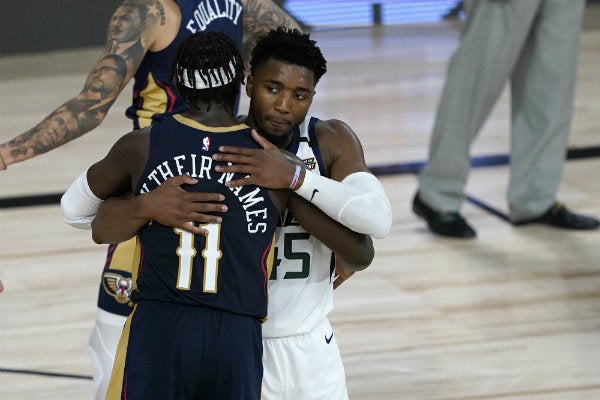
(211, 254)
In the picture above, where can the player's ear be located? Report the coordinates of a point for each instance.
(249, 85)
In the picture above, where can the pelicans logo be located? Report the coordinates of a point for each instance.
(117, 286)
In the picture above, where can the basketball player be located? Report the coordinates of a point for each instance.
(145, 34)
(194, 335)
(301, 355)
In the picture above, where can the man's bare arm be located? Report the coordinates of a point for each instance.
(119, 219)
(130, 32)
(351, 195)
(343, 272)
(261, 16)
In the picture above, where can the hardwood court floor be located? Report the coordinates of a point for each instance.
(513, 315)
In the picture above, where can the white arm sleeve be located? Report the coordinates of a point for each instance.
(79, 204)
(358, 202)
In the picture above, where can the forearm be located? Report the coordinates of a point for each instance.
(112, 220)
(118, 219)
(261, 16)
(358, 202)
(67, 122)
(355, 248)
(342, 272)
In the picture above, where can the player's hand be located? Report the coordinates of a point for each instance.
(171, 205)
(341, 273)
(1, 287)
(267, 167)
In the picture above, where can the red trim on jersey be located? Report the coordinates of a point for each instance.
(263, 266)
(124, 388)
(109, 255)
(141, 258)
(171, 96)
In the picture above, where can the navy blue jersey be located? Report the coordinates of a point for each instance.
(228, 269)
(154, 92)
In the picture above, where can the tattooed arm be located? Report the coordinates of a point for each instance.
(133, 29)
(261, 16)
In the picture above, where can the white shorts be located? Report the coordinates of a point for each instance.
(304, 367)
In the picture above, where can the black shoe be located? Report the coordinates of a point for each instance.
(559, 216)
(445, 224)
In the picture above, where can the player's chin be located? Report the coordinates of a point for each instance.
(277, 138)
(278, 128)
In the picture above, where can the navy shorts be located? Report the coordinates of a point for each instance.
(173, 351)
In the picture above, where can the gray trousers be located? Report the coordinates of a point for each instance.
(534, 45)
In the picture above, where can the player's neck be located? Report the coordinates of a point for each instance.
(212, 114)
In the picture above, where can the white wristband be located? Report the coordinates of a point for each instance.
(305, 190)
(296, 177)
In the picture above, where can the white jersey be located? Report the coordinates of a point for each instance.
(301, 287)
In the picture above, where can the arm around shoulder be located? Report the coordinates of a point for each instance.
(111, 221)
(358, 202)
(352, 195)
(79, 204)
(110, 177)
(355, 248)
